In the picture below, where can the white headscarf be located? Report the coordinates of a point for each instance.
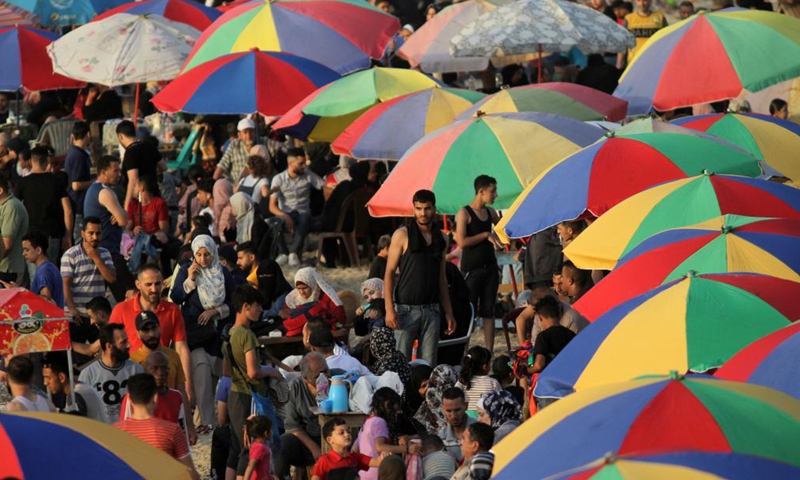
(372, 287)
(242, 204)
(309, 277)
(211, 280)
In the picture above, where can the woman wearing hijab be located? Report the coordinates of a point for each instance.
(224, 220)
(203, 289)
(388, 358)
(430, 413)
(501, 411)
(312, 297)
(413, 397)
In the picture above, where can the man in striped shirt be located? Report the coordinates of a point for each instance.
(85, 269)
(165, 436)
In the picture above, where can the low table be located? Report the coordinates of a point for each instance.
(354, 421)
(281, 347)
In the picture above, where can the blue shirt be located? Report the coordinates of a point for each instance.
(77, 165)
(47, 275)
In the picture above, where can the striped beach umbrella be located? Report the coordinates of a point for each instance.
(324, 114)
(25, 63)
(567, 99)
(387, 130)
(511, 147)
(712, 56)
(770, 361)
(194, 14)
(650, 416)
(95, 449)
(269, 83)
(690, 465)
(618, 166)
(774, 141)
(695, 323)
(730, 243)
(340, 34)
(676, 204)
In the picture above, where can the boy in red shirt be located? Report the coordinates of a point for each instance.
(336, 433)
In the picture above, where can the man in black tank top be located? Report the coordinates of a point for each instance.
(413, 307)
(475, 235)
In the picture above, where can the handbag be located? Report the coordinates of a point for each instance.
(277, 390)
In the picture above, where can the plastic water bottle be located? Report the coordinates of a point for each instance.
(322, 388)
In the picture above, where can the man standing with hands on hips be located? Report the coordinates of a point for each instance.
(413, 307)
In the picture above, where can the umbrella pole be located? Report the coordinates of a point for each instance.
(19, 109)
(136, 106)
(71, 379)
(540, 65)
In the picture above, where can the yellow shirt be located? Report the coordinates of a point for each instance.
(643, 28)
(176, 377)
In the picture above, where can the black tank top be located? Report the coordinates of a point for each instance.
(420, 267)
(482, 254)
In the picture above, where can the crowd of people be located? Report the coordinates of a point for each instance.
(166, 343)
(172, 278)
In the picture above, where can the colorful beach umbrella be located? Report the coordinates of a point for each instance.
(25, 63)
(676, 204)
(85, 448)
(695, 323)
(567, 99)
(772, 140)
(710, 57)
(531, 26)
(770, 361)
(323, 115)
(65, 13)
(730, 243)
(429, 47)
(123, 49)
(11, 15)
(692, 465)
(652, 416)
(387, 130)
(606, 173)
(194, 14)
(511, 147)
(269, 83)
(341, 34)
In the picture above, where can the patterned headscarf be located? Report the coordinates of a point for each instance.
(501, 407)
(430, 412)
(210, 280)
(383, 347)
(372, 288)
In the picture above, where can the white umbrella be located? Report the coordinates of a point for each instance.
(429, 47)
(124, 49)
(536, 26)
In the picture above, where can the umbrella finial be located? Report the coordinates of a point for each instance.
(691, 274)
(479, 114)
(707, 172)
(726, 229)
(674, 375)
(610, 134)
(609, 458)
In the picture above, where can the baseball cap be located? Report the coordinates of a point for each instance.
(321, 338)
(145, 319)
(245, 123)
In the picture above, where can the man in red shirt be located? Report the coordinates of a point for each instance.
(169, 405)
(165, 436)
(150, 283)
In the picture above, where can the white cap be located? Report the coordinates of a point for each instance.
(408, 27)
(246, 123)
